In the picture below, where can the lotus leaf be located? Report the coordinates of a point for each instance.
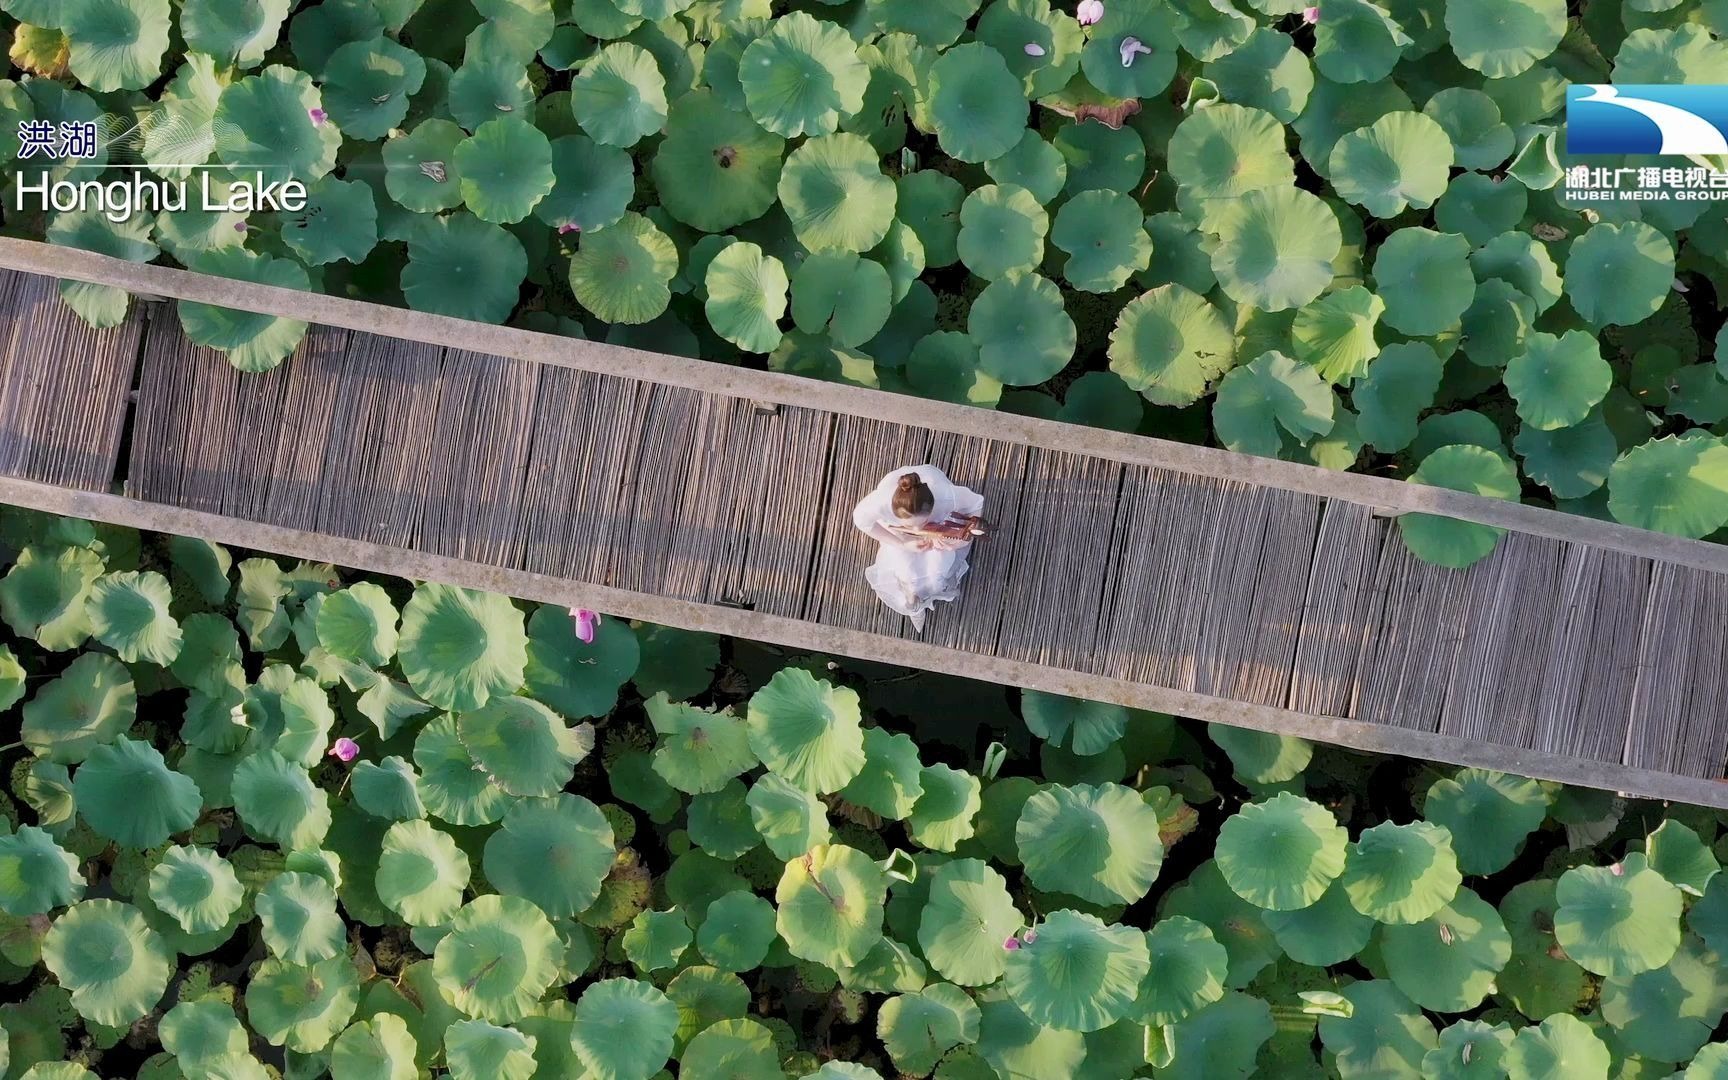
(1032, 164)
(1093, 726)
(919, 1028)
(381, 1047)
(1266, 72)
(522, 746)
(1489, 815)
(1401, 874)
(1559, 1048)
(253, 342)
(977, 106)
(36, 874)
(484, 88)
(746, 296)
(830, 905)
(1283, 853)
(505, 169)
(1079, 974)
(1186, 973)
(1261, 401)
(197, 887)
(278, 802)
(115, 967)
(298, 915)
(789, 819)
(1275, 248)
(460, 647)
(468, 269)
(198, 1032)
(807, 730)
(1357, 41)
(802, 77)
(116, 44)
(102, 306)
(1384, 1035)
(128, 794)
(1677, 484)
(736, 1049)
(1226, 151)
(420, 167)
(86, 706)
(1668, 1014)
(715, 169)
(621, 273)
(500, 955)
(623, 1029)
(656, 940)
(1326, 932)
(266, 123)
(1335, 333)
(929, 203)
(1171, 345)
(889, 784)
(1099, 843)
(942, 816)
(233, 32)
(421, 873)
(1448, 962)
(1617, 921)
(553, 852)
(835, 195)
(1106, 244)
(1023, 333)
(477, 1050)
(737, 931)
(1002, 229)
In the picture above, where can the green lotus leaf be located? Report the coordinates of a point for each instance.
(36, 874)
(47, 788)
(302, 1008)
(57, 1070)
(716, 169)
(485, 88)
(1223, 1038)
(505, 169)
(388, 789)
(1482, 208)
(103, 953)
(1009, 26)
(577, 678)
(102, 306)
(477, 1050)
(746, 296)
(1335, 333)
(381, 1047)
(1562, 1047)
(300, 924)
(1225, 151)
(318, 32)
(252, 341)
(1619, 274)
(44, 597)
(1620, 920)
(1106, 244)
(593, 185)
(339, 224)
(1171, 345)
(367, 85)
(1400, 383)
(1275, 248)
(197, 888)
(942, 816)
(1154, 25)
(12, 676)
(1079, 974)
(1086, 727)
(807, 730)
(929, 203)
(359, 624)
(802, 77)
(623, 1029)
(621, 273)
(1521, 261)
(944, 366)
(1100, 843)
(656, 940)
(1448, 961)
(1710, 1064)
(890, 781)
(1261, 401)
(1496, 327)
(1002, 229)
(1383, 1035)
(1033, 164)
(1681, 856)
(1504, 39)
(1186, 974)
(116, 44)
(553, 852)
(1357, 41)
(197, 1032)
(129, 613)
(519, 28)
(842, 295)
(919, 1028)
(830, 905)
(465, 268)
(1557, 381)
(704, 997)
(420, 167)
(1281, 854)
(1571, 462)
(835, 195)
(789, 819)
(737, 931)
(1266, 72)
(1401, 873)
(278, 802)
(1489, 815)
(1400, 160)
(1677, 484)
(701, 749)
(620, 96)
(1682, 54)
(966, 918)
(737, 1049)
(1425, 279)
(522, 746)
(421, 873)
(1468, 1049)
(265, 123)
(1540, 979)
(1326, 932)
(128, 794)
(459, 648)
(87, 706)
(1023, 333)
(1471, 119)
(452, 785)
(500, 955)
(1668, 1014)
(238, 33)
(977, 105)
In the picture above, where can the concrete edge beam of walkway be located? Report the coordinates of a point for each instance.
(1382, 493)
(798, 634)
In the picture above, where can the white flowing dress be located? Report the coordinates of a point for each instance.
(906, 579)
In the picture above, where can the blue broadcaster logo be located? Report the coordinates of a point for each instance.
(1642, 118)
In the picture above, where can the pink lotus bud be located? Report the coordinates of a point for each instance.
(569, 227)
(1012, 943)
(344, 750)
(1311, 15)
(1131, 47)
(1034, 49)
(1089, 12)
(1029, 936)
(1618, 869)
(318, 116)
(239, 226)
(587, 622)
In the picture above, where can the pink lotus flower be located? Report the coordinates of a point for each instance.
(1034, 49)
(1311, 15)
(239, 226)
(569, 227)
(587, 622)
(1012, 943)
(1089, 12)
(1130, 48)
(344, 750)
(318, 116)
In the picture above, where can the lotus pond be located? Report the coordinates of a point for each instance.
(1339, 234)
(270, 819)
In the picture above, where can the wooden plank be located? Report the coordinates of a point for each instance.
(171, 460)
(1340, 592)
(1588, 674)
(1413, 636)
(282, 426)
(477, 460)
(654, 488)
(1250, 639)
(1056, 586)
(1493, 692)
(1679, 722)
(63, 387)
(779, 508)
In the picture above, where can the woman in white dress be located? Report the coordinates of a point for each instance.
(917, 565)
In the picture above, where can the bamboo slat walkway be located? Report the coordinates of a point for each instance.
(1230, 588)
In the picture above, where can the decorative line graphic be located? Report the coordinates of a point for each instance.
(1647, 119)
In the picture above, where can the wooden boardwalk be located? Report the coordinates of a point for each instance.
(1122, 568)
